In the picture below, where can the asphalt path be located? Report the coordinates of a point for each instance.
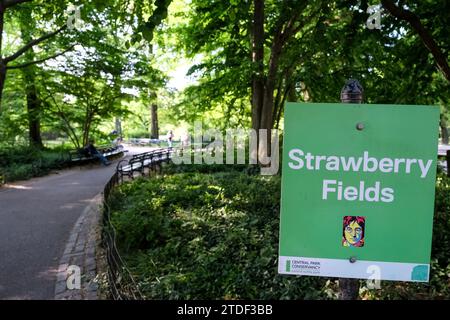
(36, 218)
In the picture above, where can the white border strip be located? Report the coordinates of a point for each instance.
(341, 268)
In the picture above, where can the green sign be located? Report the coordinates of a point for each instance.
(358, 190)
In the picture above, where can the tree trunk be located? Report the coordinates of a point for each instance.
(34, 112)
(87, 133)
(87, 126)
(448, 163)
(444, 130)
(292, 94)
(154, 125)
(266, 121)
(348, 289)
(2, 81)
(118, 127)
(34, 107)
(29, 75)
(258, 62)
(285, 90)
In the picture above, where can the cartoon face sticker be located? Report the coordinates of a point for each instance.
(353, 231)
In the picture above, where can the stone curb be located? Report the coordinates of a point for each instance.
(79, 257)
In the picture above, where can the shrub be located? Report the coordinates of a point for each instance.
(211, 232)
(21, 162)
(206, 236)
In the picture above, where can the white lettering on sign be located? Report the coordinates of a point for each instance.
(351, 193)
(366, 163)
(333, 189)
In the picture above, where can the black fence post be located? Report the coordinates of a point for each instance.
(448, 163)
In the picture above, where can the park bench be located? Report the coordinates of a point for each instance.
(144, 141)
(140, 162)
(79, 155)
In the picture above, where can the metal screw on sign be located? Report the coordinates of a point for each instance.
(352, 92)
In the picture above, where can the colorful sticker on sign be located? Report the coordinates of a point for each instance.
(353, 231)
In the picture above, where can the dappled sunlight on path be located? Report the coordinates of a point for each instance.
(36, 217)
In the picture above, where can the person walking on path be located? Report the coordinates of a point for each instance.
(170, 138)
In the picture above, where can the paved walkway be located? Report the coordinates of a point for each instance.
(37, 219)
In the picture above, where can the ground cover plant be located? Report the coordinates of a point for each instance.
(211, 232)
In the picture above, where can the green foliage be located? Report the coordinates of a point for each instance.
(211, 232)
(13, 120)
(206, 236)
(333, 44)
(23, 162)
(217, 31)
(87, 85)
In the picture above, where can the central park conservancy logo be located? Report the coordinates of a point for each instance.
(365, 163)
(303, 265)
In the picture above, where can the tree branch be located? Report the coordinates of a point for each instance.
(427, 39)
(31, 44)
(27, 64)
(2, 22)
